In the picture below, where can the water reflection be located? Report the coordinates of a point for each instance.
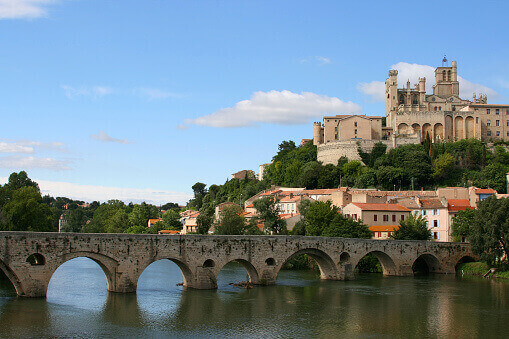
(300, 305)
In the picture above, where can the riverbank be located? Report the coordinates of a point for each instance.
(480, 269)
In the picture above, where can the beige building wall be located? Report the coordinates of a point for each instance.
(368, 217)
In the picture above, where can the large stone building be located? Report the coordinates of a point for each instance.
(411, 115)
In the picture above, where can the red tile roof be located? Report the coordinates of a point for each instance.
(455, 205)
(387, 228)
(380, 207)
(431, 203)
(168, 232)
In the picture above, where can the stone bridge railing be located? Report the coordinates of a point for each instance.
(30, 259)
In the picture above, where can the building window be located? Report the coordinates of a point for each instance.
(393, 217)
(488, 111)
(507, 112)
(498, 133)
(435, 235)
(435, 223)
(375, 217)
(424, 212)
(386, 217)
(402, 217)
(488, 122)
(488, 133)
(507, 123)
(435, 212)
(497, 111)
(440, 108)
(355, 131)
(433, 99)
(355, 124)
(354, 216)
(435, 108)
(477, 120)
(497, 123)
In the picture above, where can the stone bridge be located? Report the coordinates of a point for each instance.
(30, 259)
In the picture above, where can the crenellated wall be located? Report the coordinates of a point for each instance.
(124, 257)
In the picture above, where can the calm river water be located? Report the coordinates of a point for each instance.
(300, 305)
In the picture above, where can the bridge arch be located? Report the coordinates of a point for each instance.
(12, 278)
(187, 274)
(387, 263)
(107, 264)
(464, 259)
(328, 269)
(252, 272)
(426, 263)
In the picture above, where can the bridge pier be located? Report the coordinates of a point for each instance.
(204, 279)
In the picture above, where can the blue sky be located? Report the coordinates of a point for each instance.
(139, 100)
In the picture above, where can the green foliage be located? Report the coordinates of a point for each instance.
(269, 215)
(141, 213)
(473, 268)
(171, 220)
(486, 228)
(318, 217)
(346, 228)
(412, 228)
(25, 211)
(370, 158)
(230, 221)
(203, 223)
(369, 264)
(299, 228)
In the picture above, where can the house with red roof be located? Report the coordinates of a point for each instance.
(376, 214)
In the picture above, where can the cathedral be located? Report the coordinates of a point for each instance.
(411, 116)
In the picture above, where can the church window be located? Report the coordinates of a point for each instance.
(444, 75)
(488, 122)
(507, 123)
(488, 111)
(497, 111)
(453, 108)
(497, 123)
(435, 108)
(477, 120)
(433, 99)
(488, 133)
(440, 108)
(388, 96)
(498, 133)
(355, 131)
(402, 99)
(355, 124)
(451, 99)
(449, 75)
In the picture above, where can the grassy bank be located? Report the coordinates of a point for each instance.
(479, 269)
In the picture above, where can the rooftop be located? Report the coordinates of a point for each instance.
(380, 207)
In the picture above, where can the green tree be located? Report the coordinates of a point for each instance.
(318, 217)
(25, 211)
(230, 221)
(486, 228)
(141, 213)
(346, 228)
(171, 220)
(203, 222)
(443, 166)
(19, 180)
(412, 228)
(268, 214)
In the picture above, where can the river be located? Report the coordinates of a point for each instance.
(300, 305)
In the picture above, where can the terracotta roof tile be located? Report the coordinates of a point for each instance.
(432, 203)
(386, 228)
(458, 205)
(485, 191)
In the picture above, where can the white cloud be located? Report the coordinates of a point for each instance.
(317, 59)
(17, 9)
(23, 163)
(284, 108)
(15, 148)
(29, 146)
(93, 91)
(155, 93)
(412, 72)
(101, 136)
(101, 193)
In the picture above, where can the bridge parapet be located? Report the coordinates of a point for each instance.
(30, 259)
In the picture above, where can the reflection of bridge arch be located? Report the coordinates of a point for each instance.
(328, 269)
(387, 263)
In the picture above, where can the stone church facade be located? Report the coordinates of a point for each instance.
(411, 115)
